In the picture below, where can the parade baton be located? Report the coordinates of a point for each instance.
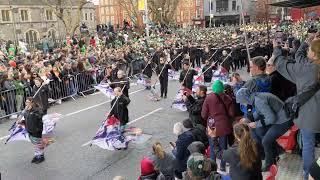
(115, 102)
(185, 76)
(245, 31)
(35, 94)
(176, 58)
(212, 55)
(225, 58)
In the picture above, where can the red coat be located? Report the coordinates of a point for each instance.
(214, 108)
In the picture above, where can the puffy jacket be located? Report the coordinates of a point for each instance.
(181, 151)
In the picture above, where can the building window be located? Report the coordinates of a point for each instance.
(31, 37)
(221, 5)
(198, 14)
(234, 5)
(86, 16)
(91, 16)
(52, 35)
(5, 14)
(211, 6)
(238, 8)
(49, 15)
(112, 20)
(197, 2)
(24, 15)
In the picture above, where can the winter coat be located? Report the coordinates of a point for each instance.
(214, 108)
(33, 121)
(281, 87)
(120, 109)
(259, 83)
(304, 75)
(181, 151)
(166, 165)
(268, 109)
(199, 134)
(194, 107)
(237, 172)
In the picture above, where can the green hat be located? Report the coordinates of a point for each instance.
(217, 87)
(198, 165)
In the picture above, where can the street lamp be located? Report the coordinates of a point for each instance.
(211, 15)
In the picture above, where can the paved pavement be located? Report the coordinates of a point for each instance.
(67, 160)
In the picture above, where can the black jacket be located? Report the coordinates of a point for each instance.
(237, 172)
(147, 69)
(33, 121)
(199, 134)
(208, 73)
(194, 107)
(163, 69)
(42, 96)
(281, 87)
(189, 79)
(120, 109)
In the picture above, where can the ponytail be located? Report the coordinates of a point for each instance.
(247, 146)
(158, 150)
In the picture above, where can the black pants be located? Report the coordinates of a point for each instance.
(163, 86)
(198, 61)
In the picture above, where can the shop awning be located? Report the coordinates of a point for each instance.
(297, 3)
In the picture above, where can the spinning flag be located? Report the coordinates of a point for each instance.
(18, 132)
(178, 102)
(110, 136)
(198, 80)
(143, 80)
(173, 75)
(154, 95)
(106, 90)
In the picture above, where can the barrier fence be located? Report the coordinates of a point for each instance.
(12, 101)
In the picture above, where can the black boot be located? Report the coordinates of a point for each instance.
(165, 96)
(40, 159)
(34, 159)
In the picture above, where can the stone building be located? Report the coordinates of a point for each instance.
(30, 20)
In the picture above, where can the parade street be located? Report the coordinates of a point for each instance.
(66, 159)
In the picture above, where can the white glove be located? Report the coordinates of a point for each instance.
(47, 81)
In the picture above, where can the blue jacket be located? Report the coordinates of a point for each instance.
(181, 151)
(268, 109)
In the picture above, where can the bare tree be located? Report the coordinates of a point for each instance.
(68, 11)
(131, 8)
(163, 11)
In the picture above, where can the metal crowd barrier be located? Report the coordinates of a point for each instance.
(12, 101)
(64, 88)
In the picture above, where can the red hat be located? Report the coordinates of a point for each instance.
(146, 166)
(12, 63)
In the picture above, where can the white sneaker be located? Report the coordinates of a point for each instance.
(58, 101)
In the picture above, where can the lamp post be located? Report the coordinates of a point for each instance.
(160, 10)
(210, 11)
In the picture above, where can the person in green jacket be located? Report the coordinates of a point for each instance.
(19, 91)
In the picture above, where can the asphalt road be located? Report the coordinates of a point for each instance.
(67, 159)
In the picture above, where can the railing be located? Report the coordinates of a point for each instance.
(12, 101)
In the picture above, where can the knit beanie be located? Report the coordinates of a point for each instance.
(217, 87)
(199, 165)
(147, 167)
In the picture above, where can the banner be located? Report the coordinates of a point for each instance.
(141, 5)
